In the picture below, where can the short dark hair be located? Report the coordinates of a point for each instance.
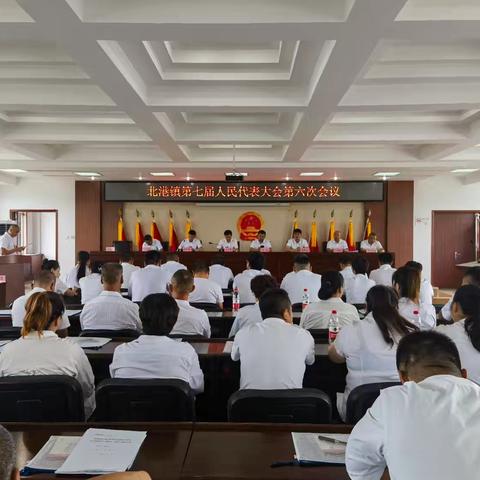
(228, 232)
(182, 281)
(256, 260)
(385, 258)
(218, 260)
(473, 273)
(468, 297)
(428, 349)
(158, 313)
(192, 232)
(45, 278)
(297, 230)
(262, 283)
(274, 302)
(152, 257)
(345, 260)
(125, 257)
(360, 265)
(262, 231)
(415, 265)
(8, 454)
(332, 282)
(111, 273)
(50, 265)
(200, 266)
(301, 260)
(147, 237)
(97, 267)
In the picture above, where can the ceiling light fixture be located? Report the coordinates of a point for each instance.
(12, 170)
(464, 170)
(311, 174)
(162, 174)
(88, 174)
(335, 178)
(386, 174)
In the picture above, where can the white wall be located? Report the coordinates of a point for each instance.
(46, 193)
(438, 193)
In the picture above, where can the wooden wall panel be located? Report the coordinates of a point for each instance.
(88, 216)
(400, 220)
(378, 218)
(109, 221)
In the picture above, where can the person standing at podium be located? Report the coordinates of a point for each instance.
(150, 243)
(190, 244)
(9, 241)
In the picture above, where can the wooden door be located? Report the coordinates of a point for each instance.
(453, 242)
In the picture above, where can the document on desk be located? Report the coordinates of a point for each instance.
(103, 451)
(6, 313)
(228, 347)
(90, 342)
(71, 313)
(317, 449)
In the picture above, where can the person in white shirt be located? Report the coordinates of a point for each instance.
(261, 244)
(150, 279)
(255, 264)
(369, 346)
(44, 282)
(219, 273)
(126, 261)
(426, 289)
(109, 310)
(250, 314)
(297, 243)
(406, 282)
(228, 243)
(407, 428)
(465, 330)
(337, 245)
(273, 353)
(190, 244)
(191, 320)
(172, 264)
(91, 285)
(317, 314)
(153, 354)
(80, 270)
(383, 274)
(41, 352)
(8, 241)
(60, 287)
(150, 243)
(345, 262)
(371, 244)
(356, 288)
(205, 290)
(301, 278)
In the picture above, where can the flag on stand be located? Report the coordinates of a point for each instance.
(313, 234)
(172, 235)
(331, 227)
(120, 230)
(188, 224)
(368, 226)
(154, 231)
(295, 222)
(138, 233)
(350, 237)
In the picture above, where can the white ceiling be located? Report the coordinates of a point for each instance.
(347, 87)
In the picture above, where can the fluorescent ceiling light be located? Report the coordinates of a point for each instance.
(13, 170)
(162, 174)
(311, 174)
(386, 174)
(88, 174)
(464, 170)
(237, 174)
(237, 147)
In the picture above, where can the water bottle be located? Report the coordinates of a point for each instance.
(305, 299)
(235, 300)
(333, 327)
(417, 321)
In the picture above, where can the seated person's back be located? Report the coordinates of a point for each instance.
(255, 266)
(126, 261)
(150, 279)
(110, 311)
(219, 273)
(205, 290)
(172, 265)
(91, 285)
(356, 288)
(317, 314)
(273, 354)
(383, 274)
(426, 289)
(153, 354)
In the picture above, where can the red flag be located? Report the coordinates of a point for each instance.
(138, 233)
(154, 231)
(172, 235)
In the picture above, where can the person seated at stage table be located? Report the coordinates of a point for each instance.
(317, 314)
(250, 314)
(345, 263)
(172, 265)
(255, 264)
(153, 354)
(44, 282)
(190, 244)
(40, 351)
(205, 290)
(150, 279)
(383, 274)
(261, 244)
(110, 311)
(273, 353)
(150, 243)
(297, 243)
(126, 261)
(368, 347)
(229, 243)
(8, 241)
(409, 427)
(191, 320)
(426, 289)
(91, 284)
(80, 270)
(356, 288)
(371, 244)
(219, 273)
(8, 460)
(337, 245)
(60, 287)
(406, 281)
(301, 278)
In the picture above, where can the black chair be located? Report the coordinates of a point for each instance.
(297, 307)
(187, 337)
(41, 398)
(131, 400)
(360, 306)
(208, 307)
(303, 405)
(362, 398)
(125, 333)
(10, 333)
(319, 333)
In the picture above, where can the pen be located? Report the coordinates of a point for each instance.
(331, 440)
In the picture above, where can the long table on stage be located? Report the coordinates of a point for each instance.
(278, 263)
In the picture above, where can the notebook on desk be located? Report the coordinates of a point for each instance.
(320, 448)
